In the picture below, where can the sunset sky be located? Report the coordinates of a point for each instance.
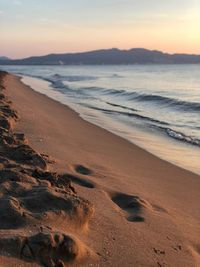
(37, 27)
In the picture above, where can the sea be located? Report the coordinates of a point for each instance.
(156, 107)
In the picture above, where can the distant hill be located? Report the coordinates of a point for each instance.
(108, 56)
(4, 58)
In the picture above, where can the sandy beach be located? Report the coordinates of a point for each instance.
(113, 203)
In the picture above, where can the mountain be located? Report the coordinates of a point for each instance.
(108, 56)
(4, 58)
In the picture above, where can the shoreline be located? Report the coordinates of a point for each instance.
(112, 172)
(162, 155)
(27, 233)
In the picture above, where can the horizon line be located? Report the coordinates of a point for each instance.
(93, 50)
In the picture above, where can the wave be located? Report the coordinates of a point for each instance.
(103, 91)
(116, 76)
(128, 114)
(161, 100)
(153, 123)
(73, 78)
(121, 106)
(57, 83)
(184, 105)
(182, 137)
(56, 78)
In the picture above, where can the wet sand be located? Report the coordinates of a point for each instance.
(146, 210)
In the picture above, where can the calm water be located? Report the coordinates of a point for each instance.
(154, 106)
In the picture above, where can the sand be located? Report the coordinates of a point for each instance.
(133, 208)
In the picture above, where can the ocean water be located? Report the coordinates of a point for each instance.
(154, 106)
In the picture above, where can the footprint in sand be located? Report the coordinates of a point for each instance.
(80, 181)
(134, 206)
(83, 170)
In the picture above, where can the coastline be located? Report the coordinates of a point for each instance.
(117, 172)
(167, 133)
(100, 122)
(166, 143)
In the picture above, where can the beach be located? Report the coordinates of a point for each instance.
(139, 210)
(155, 107)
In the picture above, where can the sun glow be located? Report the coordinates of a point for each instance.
(35, 28)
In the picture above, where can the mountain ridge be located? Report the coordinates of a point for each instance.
(111, 56)
(4, 58)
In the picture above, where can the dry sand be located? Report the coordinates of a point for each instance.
(146, 210)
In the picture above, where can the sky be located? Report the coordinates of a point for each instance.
(38, 27)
